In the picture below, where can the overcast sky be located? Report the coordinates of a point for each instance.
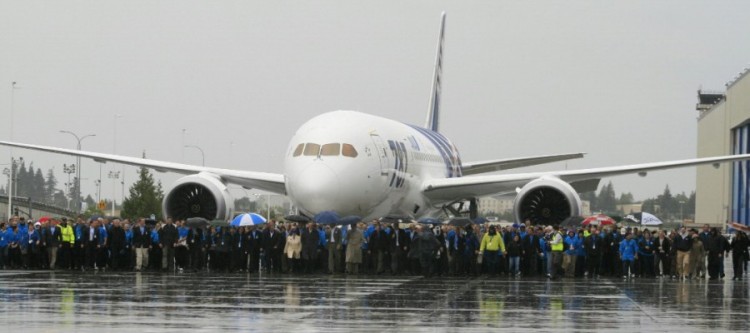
(614, 79)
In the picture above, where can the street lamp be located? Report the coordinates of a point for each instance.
(682, 217)
(98, 184)
(203, 156)
(113, 175)
(77, 194)
(69, 169)
(13, 88)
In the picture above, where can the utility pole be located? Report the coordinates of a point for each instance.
(10, 178)
(77, 194)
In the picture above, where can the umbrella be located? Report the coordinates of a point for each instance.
(297, 218)
(394, 219)
(429, 220)
(247, 219)
(197, 222)
(351, 219)
(44, 219)
(649, 219)
(573, 221)
(739, 226)
(600, 219)
(218, 223)
(326, 217)
(460, 222)
(480, 220)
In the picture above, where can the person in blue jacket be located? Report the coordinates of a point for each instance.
(571, 253)
(29, 247)
(646, 254)
(4, 242)
(628, 254)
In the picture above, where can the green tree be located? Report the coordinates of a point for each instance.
(625, 199)
(244, 204)
(59, 199)
(50, 189)
(38, 192)
(607, 201)
(145, 197)
(591, 198)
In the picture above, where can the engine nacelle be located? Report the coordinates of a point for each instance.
(202, 195)
(546, 201)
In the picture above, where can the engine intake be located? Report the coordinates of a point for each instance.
(202, 195)
(546, 201)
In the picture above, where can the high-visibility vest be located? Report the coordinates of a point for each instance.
(67, 234)
(559, 246)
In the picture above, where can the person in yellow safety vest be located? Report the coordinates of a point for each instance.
(68, 241)
(492, 242)
(557, 246)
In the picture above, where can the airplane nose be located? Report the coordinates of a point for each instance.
(316, 187)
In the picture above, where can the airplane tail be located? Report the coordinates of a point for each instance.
(433, 114)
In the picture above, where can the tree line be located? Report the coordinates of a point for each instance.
(31, 183)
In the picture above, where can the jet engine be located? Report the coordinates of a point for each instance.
(546, 201)
(201, 195)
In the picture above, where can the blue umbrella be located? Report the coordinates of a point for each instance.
(247, 219)
(326, 217)
(429, 220)
(351, 219)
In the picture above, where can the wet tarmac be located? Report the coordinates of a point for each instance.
(160, 302)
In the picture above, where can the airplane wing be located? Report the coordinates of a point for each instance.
(473, 168)
(450, 189)
(270, 182)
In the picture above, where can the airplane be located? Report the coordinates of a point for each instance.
(357, 164)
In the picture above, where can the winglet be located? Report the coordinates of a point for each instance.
(433, 114)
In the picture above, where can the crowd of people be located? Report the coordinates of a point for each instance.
(371, 248)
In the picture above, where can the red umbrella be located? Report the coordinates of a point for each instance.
(44, 219)
(600, 219)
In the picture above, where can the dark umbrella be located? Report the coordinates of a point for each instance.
(197, 222)
(460, 222)
(480, 220)
(429, 220)
(394, 219)
(351, 219)
(573, 221)
(297, 218)
(219, 223)
(326, 217)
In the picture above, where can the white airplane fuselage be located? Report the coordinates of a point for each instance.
(382, 175)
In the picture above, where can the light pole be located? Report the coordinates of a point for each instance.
(114, 175)
(76, 201)
(203, 156)
(6, 172)
(98, 184)
(682, 217)
(69, 169)
(10, 176)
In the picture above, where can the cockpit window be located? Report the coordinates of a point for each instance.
(348, 150)
(331, 149)
(312, 149)
(298, 150)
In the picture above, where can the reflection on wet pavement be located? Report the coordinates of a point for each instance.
(146, 302)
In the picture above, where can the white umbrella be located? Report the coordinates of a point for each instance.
(649, 219)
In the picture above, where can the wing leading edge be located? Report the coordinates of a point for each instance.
(450, 189)
(270, 182)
